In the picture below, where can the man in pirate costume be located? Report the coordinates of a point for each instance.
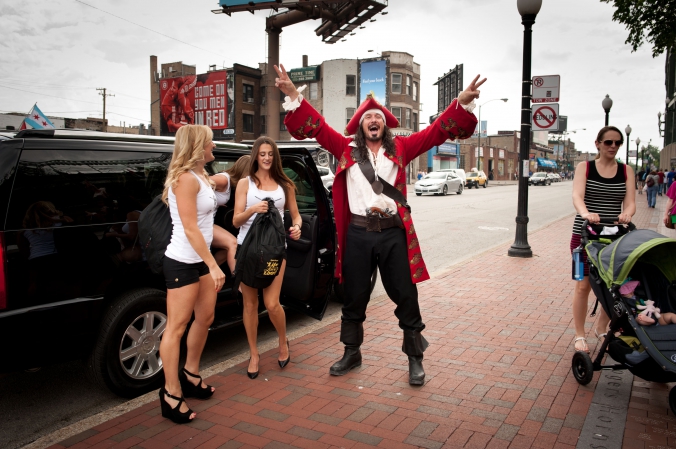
(373, 219)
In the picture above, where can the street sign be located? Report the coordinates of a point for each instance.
(545, 117)
(546, 89)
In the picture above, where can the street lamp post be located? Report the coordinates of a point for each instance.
(478, 151)
(638, 142)
(627, 130)
(607, 103)
(528, 9)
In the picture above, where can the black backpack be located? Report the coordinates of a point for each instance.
(260, 257)
(154, 231)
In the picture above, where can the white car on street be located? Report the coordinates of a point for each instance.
(327, 177)
(555, 177)
(439, 183)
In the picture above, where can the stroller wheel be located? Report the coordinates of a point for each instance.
(672, 400)
(583, 369)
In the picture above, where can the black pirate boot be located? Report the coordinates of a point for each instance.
(413, 346)
(352, 335)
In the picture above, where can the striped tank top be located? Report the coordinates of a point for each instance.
(603, 196)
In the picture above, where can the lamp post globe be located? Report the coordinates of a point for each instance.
(627, 131)
(607, 103)
(528, 9)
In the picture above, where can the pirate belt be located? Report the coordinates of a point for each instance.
(376, 220)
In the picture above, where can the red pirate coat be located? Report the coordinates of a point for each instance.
(305, 122)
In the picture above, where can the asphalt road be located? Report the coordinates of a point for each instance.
(450, 229)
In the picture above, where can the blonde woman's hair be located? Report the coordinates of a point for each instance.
(40, 215)
(188, 151)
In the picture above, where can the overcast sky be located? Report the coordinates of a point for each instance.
(57, 53)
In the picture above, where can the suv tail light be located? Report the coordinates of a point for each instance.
(3, 283)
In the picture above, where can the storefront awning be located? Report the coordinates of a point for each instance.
(546, 163)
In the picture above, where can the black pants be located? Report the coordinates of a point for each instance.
(386, 250)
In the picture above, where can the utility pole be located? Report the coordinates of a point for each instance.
(102, 92)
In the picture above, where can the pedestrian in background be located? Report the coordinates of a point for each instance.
(652, 182)
(670, 210)
(602, 189)
(639, 181)
(266, 179)
(661, 185)
(420, 175)
(670, 177)
(191, 273)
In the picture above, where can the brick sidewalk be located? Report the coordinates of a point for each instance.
(650, 423)
(498, 374)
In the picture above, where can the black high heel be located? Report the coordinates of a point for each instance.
(254, 374)
(191, 390)
(283, 363)
(175, 414)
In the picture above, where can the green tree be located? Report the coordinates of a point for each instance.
(651, 154)
(652, 21)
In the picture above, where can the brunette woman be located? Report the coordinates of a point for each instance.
(224, 183)
(266, 179)
(602, 189)
(191, 273)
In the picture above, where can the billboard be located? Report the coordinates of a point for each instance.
(196, 100)
(373, 78)
(484, 129)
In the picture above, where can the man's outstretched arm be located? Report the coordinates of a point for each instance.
(303, 121)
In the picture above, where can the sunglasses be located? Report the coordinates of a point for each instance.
(609, 142)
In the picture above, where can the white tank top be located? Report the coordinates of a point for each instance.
(255, 195)
(180, 248)
(222, 198)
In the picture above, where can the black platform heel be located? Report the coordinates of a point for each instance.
(283, 363)
(191, 390)
(255, 373)
(175, 414)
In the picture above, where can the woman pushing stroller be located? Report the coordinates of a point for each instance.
(603, 189)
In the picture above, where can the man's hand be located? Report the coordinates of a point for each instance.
(284, 83)
(472, 92)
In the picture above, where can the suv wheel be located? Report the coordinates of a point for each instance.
(126, 357)
(339, 289)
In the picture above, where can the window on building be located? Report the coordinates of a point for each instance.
(350, 84)
(461, 163)
(282, 127)
(248, 92)
(501, 168)
(349, 113)
(314, 91)
(263, 127)
(396, 111)
(415, 122)
(415, 91)
(263, 95)
(408, 118)
(248, 123)
(396, 83)
(409, 82)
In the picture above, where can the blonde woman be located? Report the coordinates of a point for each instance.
(224, 183)
(191, 273)
(266, 179)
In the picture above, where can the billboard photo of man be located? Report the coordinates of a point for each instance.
(175, 105)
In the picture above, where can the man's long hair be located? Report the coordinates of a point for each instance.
(360, 141)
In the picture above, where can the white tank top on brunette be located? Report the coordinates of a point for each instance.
(256, 195)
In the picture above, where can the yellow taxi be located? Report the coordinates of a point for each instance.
(476, 178)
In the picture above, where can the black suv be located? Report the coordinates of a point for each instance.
(70, 287)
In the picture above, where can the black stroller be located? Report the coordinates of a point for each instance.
(650, 258)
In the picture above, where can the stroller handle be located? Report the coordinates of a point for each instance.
(610, 221)
(585, 234)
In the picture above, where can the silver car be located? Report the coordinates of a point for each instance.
(439, 183)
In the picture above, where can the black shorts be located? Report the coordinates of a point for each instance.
(178, 274)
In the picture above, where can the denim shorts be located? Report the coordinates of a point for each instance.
(178, 274)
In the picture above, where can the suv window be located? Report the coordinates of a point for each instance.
(305, 195)
(89, 187)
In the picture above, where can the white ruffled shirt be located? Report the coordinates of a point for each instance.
(360, 194)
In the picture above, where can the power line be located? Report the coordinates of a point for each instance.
(63, 98)
(149, 29)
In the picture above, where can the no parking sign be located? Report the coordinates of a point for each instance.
(545, 117)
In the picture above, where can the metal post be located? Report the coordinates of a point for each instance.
(478, 150)
(271, 92)
(607, 117)
(520, 247)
